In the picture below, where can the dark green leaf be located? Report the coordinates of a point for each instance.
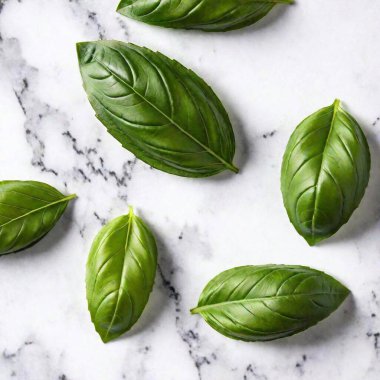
(325, 172)
(261, 303)
(120, 274)
(28, 211)
(207, 15)
(156, 108)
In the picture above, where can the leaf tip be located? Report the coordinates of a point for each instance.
(310, 241)
(314, 240)
(194, 310)
(104, 339)
(336, 103)
(346, 292)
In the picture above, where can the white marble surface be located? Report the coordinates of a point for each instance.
(269, 77)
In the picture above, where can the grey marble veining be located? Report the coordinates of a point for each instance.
(269, 77)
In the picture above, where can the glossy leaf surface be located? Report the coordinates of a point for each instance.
(261, 303)
(28, 211)
(120, 274)
(207, 15)
(156, 108)
(325, 172)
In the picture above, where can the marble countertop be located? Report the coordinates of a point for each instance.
(269, 76)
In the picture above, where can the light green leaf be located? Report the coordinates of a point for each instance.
(28, 211)
(120, 274)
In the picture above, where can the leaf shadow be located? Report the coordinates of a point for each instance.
(334, 327)
(47, 243)
(367, 215)
(158, 299)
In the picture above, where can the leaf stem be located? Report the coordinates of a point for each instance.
(70, 197)
(232, 167)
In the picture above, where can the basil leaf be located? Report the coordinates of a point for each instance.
(207, 15)
(325, 172)
(261, 303)
(156, 108)
(28, 211)
(120, 274)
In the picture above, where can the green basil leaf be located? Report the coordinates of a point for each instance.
(325, 172)
(28, 211)
(207, 15)
(156, 108)
(120, 274)
(261, 303)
